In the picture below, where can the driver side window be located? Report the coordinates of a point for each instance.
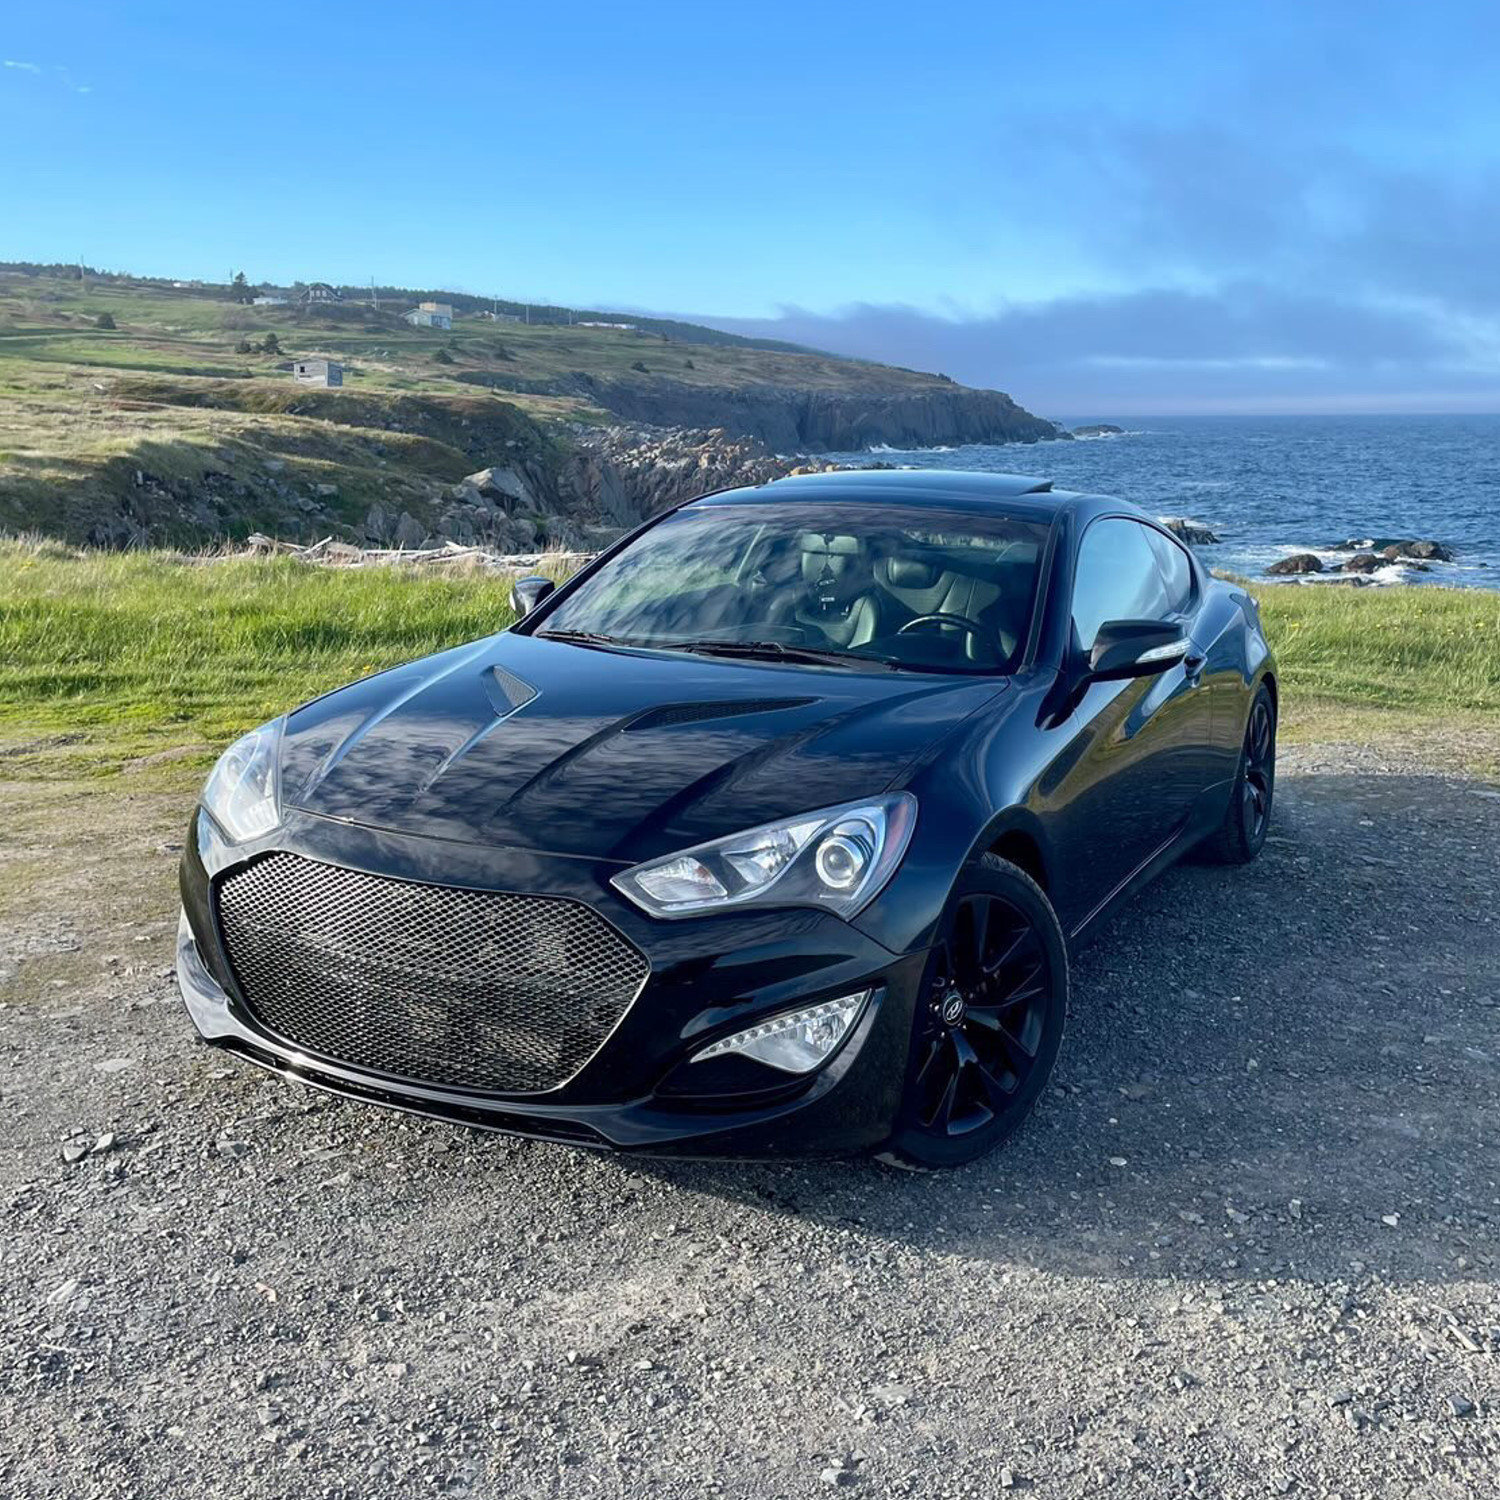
(1117, 579)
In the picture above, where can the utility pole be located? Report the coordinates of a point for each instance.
(374, 295)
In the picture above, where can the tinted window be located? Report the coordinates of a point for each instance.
(1117, 579)
(1176, 571)
(922, 587)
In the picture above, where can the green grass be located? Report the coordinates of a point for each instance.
(108, 657)
(140, 652)
(1422, 651)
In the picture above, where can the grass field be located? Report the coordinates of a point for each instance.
(107, 659)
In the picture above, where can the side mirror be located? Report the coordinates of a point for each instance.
(527, 593)
(1135, 648)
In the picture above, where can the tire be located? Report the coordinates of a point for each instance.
(1247, 819)
(989, 1021)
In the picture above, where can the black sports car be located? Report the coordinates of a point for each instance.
(769, 831)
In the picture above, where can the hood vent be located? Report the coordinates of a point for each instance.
(697, 713)
(506, 691)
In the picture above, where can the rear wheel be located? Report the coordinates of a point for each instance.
(989, 1020)
(1242, 834)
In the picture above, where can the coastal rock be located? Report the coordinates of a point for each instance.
(1427, 551)
(625, 474)
(1195, 533)
(1298, 562)
(1098, 430)
(1364, 562)
(1394, 548)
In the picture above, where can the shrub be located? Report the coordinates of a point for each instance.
(640, 365)
(105, 320)
(270, 344)
(244, 347)
(442, 357)
(687, 364)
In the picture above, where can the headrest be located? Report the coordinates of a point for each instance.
(836, 546)
(911, 572)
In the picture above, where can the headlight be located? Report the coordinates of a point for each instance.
(243, 794)
(838, 858)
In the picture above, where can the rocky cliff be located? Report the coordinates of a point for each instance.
(790, 419)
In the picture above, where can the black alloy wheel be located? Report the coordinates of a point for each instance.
(1248, 817)
(989, 1020)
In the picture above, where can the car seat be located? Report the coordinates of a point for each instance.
(994, 595)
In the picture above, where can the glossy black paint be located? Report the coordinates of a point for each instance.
(523, 764)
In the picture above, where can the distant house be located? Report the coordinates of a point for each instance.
(431, 315)
(595, 323)
(320, 291)
(264, 301)
(318, 371)
(500, 317)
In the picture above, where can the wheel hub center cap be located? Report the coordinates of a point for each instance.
(953, 1008)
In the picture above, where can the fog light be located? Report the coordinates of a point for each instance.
(797, 1041)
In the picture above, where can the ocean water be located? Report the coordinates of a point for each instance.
(1269, 486)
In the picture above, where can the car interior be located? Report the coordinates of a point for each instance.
(919, 600)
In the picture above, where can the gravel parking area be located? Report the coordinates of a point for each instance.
(1247, 1247)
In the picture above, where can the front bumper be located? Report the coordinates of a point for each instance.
(639, 1092)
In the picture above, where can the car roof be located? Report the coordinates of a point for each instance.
(1023, 495)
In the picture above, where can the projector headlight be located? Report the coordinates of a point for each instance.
(838, 858)
(243, 794)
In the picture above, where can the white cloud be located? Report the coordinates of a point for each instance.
(63, 76)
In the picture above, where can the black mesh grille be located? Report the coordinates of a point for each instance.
(428, 983)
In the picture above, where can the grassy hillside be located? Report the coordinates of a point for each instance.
(135, 411)
(109, 658)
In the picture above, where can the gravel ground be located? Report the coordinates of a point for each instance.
(1248, 1245)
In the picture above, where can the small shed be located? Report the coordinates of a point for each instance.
(318, 372)
(431, 315)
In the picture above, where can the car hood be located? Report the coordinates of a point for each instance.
(621, 755)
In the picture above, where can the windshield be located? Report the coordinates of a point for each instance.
(866, 586)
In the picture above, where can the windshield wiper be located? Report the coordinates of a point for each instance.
(778, 651)
(581, 637)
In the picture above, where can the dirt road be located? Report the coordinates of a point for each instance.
(1248, 1246)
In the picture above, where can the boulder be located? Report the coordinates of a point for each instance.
(503, 485)
(409, 531)
(1428, 551)
(1393, 548)
(1364, 562)
(378, 523)
(1195, 533)
(1298, 562)
(1098, 429)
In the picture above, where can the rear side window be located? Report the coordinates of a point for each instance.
(1176, 570)
(1118, 578)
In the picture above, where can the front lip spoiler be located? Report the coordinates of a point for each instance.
(635, 1125)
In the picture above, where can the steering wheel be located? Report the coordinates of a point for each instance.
(958, 621)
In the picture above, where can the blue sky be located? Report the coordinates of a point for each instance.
(1101, 208)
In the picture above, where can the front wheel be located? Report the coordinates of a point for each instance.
(989, 1020)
